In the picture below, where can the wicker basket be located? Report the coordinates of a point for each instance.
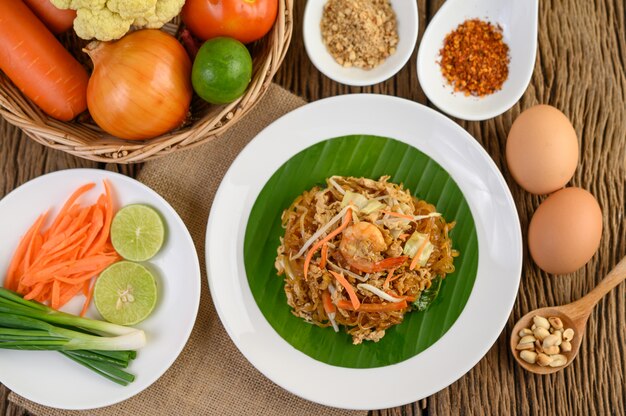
(87, 140)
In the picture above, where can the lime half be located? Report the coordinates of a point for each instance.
(137, 232)
(125, 293)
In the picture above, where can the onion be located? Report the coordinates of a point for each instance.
(141, 85)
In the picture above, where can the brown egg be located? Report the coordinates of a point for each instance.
(565, 231)
(542, 150)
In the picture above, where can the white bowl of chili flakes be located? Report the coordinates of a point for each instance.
(477, 57)
(360, 43)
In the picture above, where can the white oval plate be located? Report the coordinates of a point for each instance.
(499, 240)
(47, 377)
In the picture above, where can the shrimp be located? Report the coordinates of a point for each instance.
(361, 244)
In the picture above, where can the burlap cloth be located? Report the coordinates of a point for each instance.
(211, 376)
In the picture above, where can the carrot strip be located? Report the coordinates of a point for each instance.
(419, 253)
(351, 293)
(63, 254)
(77, 221)
(97, 221)
(80, 191)
(324, 256)
(18, 256)
(372, 307)
(69, 294)
(104, 233)
(405, 297)
(329, 307)
(56, 294)
(385, 264)
(88, 299)
(316, 246)
(397, 214)
(61, 241)
(388, 279)
(30, 253)
(37, 289)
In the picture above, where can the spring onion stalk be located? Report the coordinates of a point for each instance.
(18, 305)
(102, 347)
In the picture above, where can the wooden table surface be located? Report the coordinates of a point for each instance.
(580, 69)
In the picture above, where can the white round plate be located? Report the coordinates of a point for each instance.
(497, 227)
(47, 377)
(407, 19)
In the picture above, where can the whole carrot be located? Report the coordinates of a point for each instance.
(38, 64)
(57, 20)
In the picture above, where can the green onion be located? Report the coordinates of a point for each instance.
(102, 347)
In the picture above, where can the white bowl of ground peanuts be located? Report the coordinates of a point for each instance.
(360, 42)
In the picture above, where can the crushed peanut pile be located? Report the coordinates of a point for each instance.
(359, 33)
(545, 341)
(475, 58)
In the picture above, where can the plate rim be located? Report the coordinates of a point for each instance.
(197, 278)
(373, 100)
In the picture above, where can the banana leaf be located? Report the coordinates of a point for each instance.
(372, 157)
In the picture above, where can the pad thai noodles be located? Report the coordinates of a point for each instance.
(361, 253)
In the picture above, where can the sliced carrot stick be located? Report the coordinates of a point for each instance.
(324, 256)
(351, 293)
(18, 256)
(419, 253)
(69, 294)
(372, 307)
(389, 278)
(404, 297)
(77, 194)
(385, 264)
(62, 255)
(88, 299)
(97, 221)
(108, 217)
(30, 253)
(61, 241)
(34, 292)
(56, 294)
(77, 221)
(329, 307)
(316, 246)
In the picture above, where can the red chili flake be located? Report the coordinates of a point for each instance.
(475, 59)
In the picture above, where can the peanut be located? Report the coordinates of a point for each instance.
(524, 331)
(551, 350)
(550, 340)
(529, 356)
(540, 333)
(568, 334)
(558, 360)
(543, 359)
(540, 321)
(555, 322)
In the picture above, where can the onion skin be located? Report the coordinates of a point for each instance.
(141, 85)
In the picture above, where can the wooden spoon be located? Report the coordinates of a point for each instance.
(573, 315)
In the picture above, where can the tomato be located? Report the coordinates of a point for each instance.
(244, 20)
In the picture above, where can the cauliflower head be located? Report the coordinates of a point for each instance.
(107, 20)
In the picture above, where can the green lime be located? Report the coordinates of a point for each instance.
(222, 70)
(137, 232)
(125, 293)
